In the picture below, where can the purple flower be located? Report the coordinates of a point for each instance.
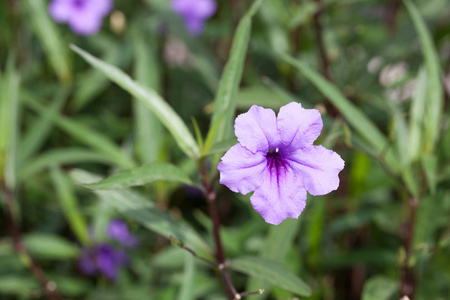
(118, 230)
(194, 13)
(86, 261)
(83, 16)
(104, 259)
(276, 158)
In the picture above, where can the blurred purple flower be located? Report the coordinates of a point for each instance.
(104, 259)
(276, 158)
(194, 13)
(86, 261)
(83, 16)
(118, 230)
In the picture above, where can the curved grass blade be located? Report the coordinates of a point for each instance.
(50, 38)
(271, 271)
(168, 117)
(61, 157)
(416, 121)
(142, 175)
(69, 204)
(9, 123)
(276, 246)
(225, 102)
(146, 213)
(149, 130)
(39, 130)
(434, 105)
(86, 135)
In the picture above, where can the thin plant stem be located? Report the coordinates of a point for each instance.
(49, 287)
(408, 279)
(210, 195)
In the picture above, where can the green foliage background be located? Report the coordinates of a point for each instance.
(146, 101)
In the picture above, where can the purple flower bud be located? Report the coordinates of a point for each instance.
(118, 230)
(194, 13)
(83, 16)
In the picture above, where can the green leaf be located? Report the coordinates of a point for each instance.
(85, 135)
(39, 130)
(137, 208)
(168, 117)
(50, 38)
(434, 105)
(187, 286)
(379, 288)
(222, 146)
(276, 246)
(149, 130)
(225, 102)
(354, 116)
(261, 95)
(416, 121)
(9, 124)
(91, 83)
(18, 285)
(142, 175)
(61, 157)
(271, 271)
(69, 204)
(50, 246)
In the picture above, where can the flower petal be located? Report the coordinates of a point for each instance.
(256, 129)
(317, 167)
(241, 170)
(298, 127)
(60, 10)
(85, 23)
(194, 26)
(280, 196)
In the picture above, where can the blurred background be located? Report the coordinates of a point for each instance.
(374, 238)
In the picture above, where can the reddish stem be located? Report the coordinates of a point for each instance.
(49, 287)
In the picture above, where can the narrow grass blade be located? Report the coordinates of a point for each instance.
(9, 123)
(187, 285)
(85, 135)
(416, 121)
(50, 38)
(168, 117)
(39, 130)
(271, 271)
(142, 175)
(64, 156)
(69, 204)
(49, 246)
(276, 246)
(134, 206)
(148, 129)
(225, 102)
(434, 105)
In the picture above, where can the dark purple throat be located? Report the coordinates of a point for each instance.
(79, 4)
(276, 162)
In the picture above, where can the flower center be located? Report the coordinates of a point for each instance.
(276, 162)
(79, 4)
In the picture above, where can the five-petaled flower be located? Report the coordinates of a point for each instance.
(83, 16)
(194, 13)
(276, 158)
